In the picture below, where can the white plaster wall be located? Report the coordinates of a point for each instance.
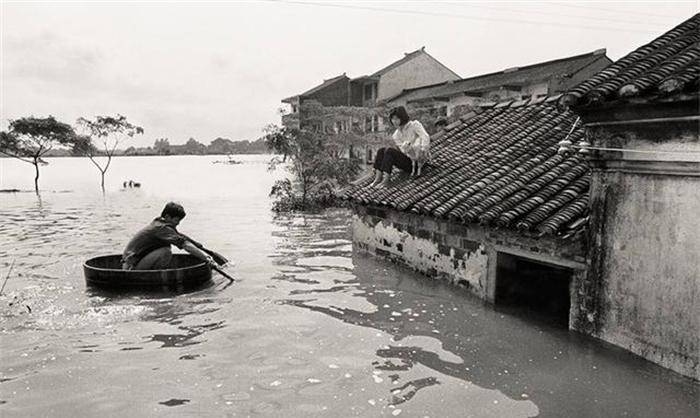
(419, 71)
(424, 254)
(651, 279)
(536, 89)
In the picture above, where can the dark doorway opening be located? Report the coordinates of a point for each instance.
(533, 288)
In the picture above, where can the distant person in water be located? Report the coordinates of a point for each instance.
(131, 184)
(411, 152)
(149, 249)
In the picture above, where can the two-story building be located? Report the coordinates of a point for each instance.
(415, 69)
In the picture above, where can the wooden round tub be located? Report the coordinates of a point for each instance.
(186, 271)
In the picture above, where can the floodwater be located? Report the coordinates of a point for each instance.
(310, 328)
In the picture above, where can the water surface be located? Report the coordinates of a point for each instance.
(310, 328)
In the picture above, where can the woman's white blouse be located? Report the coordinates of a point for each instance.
(412, 136)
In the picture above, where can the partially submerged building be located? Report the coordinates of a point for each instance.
(497, 200)
(642, 115)
(518, 207)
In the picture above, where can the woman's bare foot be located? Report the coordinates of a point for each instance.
(377, 178)
(385, 180)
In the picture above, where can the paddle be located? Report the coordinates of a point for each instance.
(223, 273)
(218, 258)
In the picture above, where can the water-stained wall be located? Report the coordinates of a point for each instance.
(645, 277)
(465, 255)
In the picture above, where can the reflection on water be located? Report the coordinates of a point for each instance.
(308, 329)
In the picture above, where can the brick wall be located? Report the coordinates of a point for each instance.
(464, 255)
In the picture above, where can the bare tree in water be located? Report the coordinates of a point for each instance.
(101, 137)
(29, 139)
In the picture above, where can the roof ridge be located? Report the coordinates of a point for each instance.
(538, 64)
(520, 103)
(407, 57)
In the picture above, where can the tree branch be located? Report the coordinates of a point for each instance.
(92, 158)
(16, 156)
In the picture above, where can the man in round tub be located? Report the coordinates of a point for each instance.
(149, 249)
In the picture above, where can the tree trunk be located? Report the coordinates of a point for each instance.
(36, 176)
(102, 183)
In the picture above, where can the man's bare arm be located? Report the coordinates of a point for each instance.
(190, 248)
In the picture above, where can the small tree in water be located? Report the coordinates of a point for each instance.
(29, 139)
(317, 166)
(101, 138)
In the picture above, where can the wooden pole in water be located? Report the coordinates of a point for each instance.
(8, 276)
(222, 272)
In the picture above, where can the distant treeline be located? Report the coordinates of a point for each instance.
(192, 147)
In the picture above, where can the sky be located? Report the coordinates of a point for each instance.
(220, 69)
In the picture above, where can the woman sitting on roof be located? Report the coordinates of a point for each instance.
(413, 150)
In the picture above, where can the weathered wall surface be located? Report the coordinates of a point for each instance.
(419, 71)
(645, 275)
(463, 255)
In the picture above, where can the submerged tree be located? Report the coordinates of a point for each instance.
(316, 164)
(29, 139)
(101, 138)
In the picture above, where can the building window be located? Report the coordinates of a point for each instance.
(370, 91)
(372, 123)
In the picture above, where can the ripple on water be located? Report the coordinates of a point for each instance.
(339, 334)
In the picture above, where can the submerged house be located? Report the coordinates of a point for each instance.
(496, 200)
(519, 208)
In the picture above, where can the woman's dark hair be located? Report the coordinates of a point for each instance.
(174, 210)
(399, 112)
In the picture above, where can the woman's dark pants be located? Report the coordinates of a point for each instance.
(387, 158)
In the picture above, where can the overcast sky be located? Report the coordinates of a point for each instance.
(206, 70)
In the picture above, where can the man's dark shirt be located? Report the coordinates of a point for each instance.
(156, 235)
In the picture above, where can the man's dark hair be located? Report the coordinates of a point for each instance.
(174, 210)
(399, 112)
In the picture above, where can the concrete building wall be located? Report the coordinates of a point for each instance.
(463, 255)
(535, 89)
(419, 71)
(645, 276)
(462, 101)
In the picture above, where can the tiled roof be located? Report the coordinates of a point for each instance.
(319, 87)
(668, 65)
(562, 69)
(499, 167)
